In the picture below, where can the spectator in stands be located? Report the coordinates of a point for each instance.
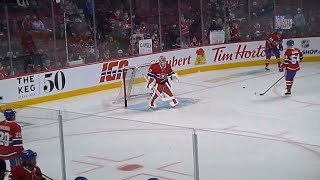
(47, 65)
(185, 29)
(173, 34)
(195, 42)
(195, 26)
(176, 45)
(116, 15)
(119, 31)
(112, 45)
(3, 71)
(106, 54)
(155, 43)
(3, 29)
(255, 9)
(137, 35)
(27, 23)
(256, 32)
(143, 29)
(214, 26)
(29, 48)
(120, 53)
(235, 33)
(299, 23)
(184, 45)
(37, 24)
(3, 169)
(133, 48)
(126, 21)
(88, 11)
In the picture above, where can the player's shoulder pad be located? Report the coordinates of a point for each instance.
(153, 64)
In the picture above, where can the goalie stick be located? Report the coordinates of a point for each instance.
(156, 90)
(159, 94)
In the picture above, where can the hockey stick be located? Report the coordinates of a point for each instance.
(272, 86)
(159, 94)
(47, 177)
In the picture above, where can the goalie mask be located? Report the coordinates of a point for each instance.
(162, 61)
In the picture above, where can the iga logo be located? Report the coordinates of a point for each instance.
(305, 43)
(201, 57)
(112, 70)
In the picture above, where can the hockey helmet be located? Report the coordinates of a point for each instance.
(9, 114)
(290, 42)
(162, 61)
(28, 155)
(279, 30)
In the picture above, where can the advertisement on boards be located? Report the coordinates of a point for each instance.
(145, 46)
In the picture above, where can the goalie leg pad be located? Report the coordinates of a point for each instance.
(167, 89)
(152, 102)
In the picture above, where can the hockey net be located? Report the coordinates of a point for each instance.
(133, 84)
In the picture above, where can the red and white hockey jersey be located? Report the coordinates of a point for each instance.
(160, 74)
(292, 57)
(22, 173)
(10, 140)
(274, 40)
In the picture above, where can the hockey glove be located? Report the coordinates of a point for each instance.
(280, 69)
(280, 47)
(301, 59)
(175, 77)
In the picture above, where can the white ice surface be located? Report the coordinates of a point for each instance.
(241, 135)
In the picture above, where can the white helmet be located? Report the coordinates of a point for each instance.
(162, 61)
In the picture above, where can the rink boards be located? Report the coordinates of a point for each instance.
(36, 88)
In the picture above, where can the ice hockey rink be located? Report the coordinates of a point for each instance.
(241, 135)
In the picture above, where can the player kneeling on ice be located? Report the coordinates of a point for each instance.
(160, 72)
(29, 169)
(292, 58)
